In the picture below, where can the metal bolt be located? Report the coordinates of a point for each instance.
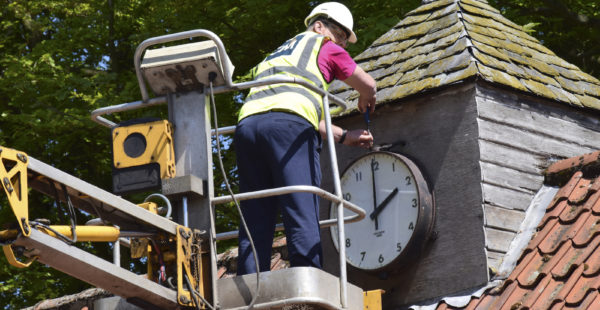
(183, 233)
(184, 300)
(8, 185)
(22, 157)
(25, 227)
(118, 163)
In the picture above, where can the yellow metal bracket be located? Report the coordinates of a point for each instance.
(139, 246)
(12, 259)
(372, 299)
(188, 264)
(159, 148)
(13, 175)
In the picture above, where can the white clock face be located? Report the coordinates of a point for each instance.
(385, 188)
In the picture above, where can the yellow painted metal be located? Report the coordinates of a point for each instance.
(159, 147)
(9, 234)
(372, 299)
(140, 247)
(12, 259)
(13, 175)
(150, 206)
(186, 263)
(85, 233)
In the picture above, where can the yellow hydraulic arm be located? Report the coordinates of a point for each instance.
(13, 172)
(173, 251)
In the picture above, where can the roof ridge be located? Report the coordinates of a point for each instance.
(561, 171)
(420, 54)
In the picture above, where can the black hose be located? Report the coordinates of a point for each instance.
(237, 205)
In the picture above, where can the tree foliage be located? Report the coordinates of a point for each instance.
(569, 28)
(62, 59)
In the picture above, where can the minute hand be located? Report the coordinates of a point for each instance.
(383, 204)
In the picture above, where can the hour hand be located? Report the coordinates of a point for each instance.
(383, 204)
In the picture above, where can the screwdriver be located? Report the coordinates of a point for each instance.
(368, 122)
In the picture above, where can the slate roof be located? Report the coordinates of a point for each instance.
(447, 41)
(560, 268)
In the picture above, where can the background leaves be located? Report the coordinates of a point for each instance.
(61, 59)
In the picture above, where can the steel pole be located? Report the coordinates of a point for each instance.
(340, 210)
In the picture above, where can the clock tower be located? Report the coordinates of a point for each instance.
(480, 108)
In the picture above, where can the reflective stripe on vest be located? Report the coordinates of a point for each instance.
(295, 58)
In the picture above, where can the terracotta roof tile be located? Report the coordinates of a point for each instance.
(580, 192)
(555, 212)
(526, 259)
(573, 259)
(593, 264)
(591, 299)
(443, 307)
(516, 299)
(548, 294)
(420, 54)
(571, 213)
(559, 234)
(531, 297)
(566, 190)
(539, 267)
(580, 290)
(596, 207)
(588, 230)
(542, 233)
(560, 268)
(485, 302)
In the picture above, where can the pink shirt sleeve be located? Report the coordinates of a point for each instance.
(335, 62)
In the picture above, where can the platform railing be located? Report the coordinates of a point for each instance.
(337, 198)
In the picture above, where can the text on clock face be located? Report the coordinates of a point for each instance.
(385, 188)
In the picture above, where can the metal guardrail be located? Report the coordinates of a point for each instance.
(360, 213)
(97, 116)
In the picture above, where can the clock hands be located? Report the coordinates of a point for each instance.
(373, 162)
(383, 204)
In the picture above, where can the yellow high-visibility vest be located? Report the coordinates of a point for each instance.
(297, 58)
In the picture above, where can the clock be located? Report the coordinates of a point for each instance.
(399, 206)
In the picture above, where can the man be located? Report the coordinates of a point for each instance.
(278, 136)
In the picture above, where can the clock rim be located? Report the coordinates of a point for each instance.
(424, 222)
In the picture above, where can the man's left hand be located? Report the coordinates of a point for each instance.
(359, 137)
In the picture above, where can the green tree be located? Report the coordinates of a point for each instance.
(570, 28)
(61, 59)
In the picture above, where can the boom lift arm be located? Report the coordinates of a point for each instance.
(172, 250)
(180, 247)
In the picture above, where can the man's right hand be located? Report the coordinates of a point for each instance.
(365, 85)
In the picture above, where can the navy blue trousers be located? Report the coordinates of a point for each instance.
(278, 149)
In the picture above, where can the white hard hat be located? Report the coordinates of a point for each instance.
(336, 11)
